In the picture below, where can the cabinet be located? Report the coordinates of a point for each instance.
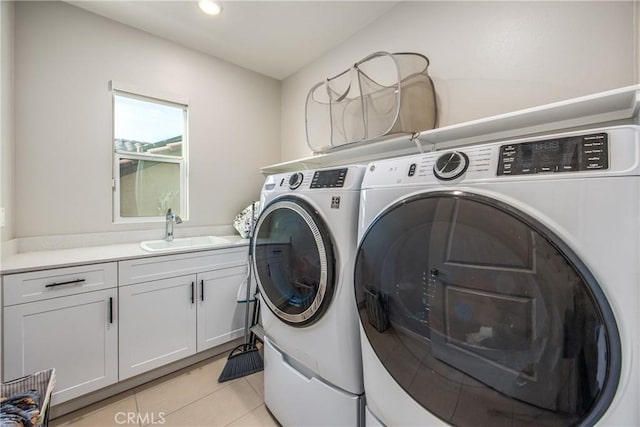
(100, 323)
(158, 324)
(174, 306)
(219, 318)
(64, 319)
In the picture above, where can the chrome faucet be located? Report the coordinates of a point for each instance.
(170, 218)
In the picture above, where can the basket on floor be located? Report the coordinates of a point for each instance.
(383, 94)
(43, 382)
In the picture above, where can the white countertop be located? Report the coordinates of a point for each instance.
(40, 260)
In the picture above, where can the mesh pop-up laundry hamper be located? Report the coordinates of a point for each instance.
(380, 95)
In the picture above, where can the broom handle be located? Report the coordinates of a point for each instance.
(250, 259)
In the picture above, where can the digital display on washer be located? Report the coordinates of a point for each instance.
(570, 154)
(333, 178)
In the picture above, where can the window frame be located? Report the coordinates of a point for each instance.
(119, 89)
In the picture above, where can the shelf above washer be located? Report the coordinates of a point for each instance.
(618, 106)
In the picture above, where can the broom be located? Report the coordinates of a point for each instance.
(244, 359)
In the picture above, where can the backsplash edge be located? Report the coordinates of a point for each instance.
(72, 241)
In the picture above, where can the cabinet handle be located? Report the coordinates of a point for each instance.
(192, 292)
(51, 285)
(111, 310)
(201, 290)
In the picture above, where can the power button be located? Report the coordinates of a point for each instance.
(412, 169)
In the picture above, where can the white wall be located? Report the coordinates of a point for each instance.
(487, 58)
(636, 26)
(6, 117)
(6, 128)
(64, 60)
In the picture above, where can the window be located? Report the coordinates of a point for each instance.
(150, 158)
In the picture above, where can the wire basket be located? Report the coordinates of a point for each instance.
(380, 95)
(43, 382)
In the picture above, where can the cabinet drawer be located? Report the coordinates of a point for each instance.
(161, 267)
(39, 285)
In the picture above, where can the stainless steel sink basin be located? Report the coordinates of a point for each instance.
(183, 243)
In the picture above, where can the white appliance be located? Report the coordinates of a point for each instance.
(304, 245)
(501, 283)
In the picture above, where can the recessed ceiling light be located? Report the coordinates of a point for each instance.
(210, 7)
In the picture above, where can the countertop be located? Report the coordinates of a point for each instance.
(41, 260)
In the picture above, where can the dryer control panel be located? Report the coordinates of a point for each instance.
(330, 178)
(569, 154)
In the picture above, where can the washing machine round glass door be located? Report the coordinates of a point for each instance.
(484, 316)
(294, 262)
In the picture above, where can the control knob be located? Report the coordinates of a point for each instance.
(451, 165)
(296, 180)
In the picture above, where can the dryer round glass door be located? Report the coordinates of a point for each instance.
(484, 316)
(294, 262)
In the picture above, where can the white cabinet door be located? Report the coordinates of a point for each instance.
(77, 335)
(157, 323)
(220, 317)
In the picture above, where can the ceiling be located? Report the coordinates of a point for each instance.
(274, 38)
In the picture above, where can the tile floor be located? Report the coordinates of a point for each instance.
(190, 397)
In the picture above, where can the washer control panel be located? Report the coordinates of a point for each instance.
(569, 154)
(332, 178)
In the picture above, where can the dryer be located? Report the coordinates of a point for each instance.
(500, 283)
(304, 247)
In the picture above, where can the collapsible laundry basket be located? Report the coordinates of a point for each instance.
(380, 95)
(43, 382)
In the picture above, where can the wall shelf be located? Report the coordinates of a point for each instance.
(616, 106)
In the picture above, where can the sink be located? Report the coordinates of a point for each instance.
(185, 243)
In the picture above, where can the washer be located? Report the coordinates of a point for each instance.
(501, 285)
(304, 247)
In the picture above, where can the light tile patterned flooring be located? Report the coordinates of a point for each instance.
(190, 397)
